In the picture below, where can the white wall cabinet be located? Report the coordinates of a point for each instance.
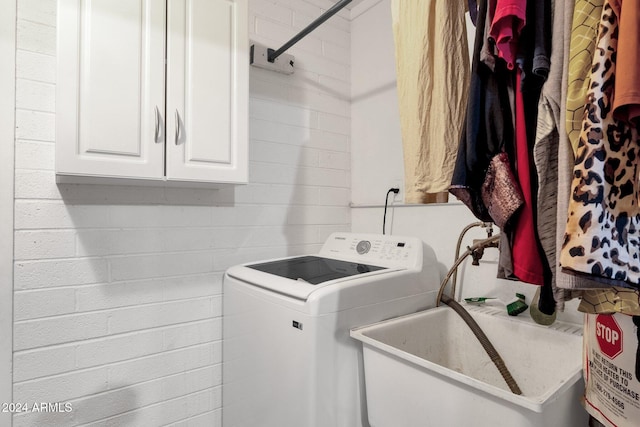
(152, 91)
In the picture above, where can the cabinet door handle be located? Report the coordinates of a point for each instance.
(156, 136)
(177, 138)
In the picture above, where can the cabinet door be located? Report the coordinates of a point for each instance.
(110, 91)
(207, 90)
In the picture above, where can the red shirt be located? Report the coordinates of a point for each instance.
(527, 262)
(508, 21)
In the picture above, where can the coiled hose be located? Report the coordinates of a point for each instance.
(473, 325)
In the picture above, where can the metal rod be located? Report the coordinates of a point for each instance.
(273, 54)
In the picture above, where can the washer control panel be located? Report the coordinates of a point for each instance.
(372, 248)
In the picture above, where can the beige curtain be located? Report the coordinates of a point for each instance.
(432, 65)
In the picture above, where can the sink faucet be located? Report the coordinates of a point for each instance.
(476, 250)
(477, 254)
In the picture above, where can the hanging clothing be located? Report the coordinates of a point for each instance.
(508, 21)
(432, 64)
(488, 51)
(584, 33)
(602, 237)
(490, 133)
(528, 49)
(488, 56)
(545, 143)
(566, 156)
(541, 62)
(488, 126)
(610, 301)
(626, 104)
(617, 299)
(527, 263)
(552, 150)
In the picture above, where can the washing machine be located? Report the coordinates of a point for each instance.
(288, 359)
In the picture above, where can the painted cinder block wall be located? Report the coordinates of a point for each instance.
(117, 293)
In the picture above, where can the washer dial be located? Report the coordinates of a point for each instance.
(363, 247)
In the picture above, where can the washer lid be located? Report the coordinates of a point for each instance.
(314, 270)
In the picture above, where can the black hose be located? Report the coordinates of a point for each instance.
(484, 340)
(475, 328)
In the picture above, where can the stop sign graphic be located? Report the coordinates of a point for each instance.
(609, 335)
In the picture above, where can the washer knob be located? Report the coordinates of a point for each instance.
(363, 247)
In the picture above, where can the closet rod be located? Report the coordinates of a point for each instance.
(273, 54)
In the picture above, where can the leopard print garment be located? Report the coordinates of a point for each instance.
(602, 236)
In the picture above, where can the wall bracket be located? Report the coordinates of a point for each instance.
(268, 59)
(259, 57)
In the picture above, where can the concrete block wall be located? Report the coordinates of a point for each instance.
(117, 291)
